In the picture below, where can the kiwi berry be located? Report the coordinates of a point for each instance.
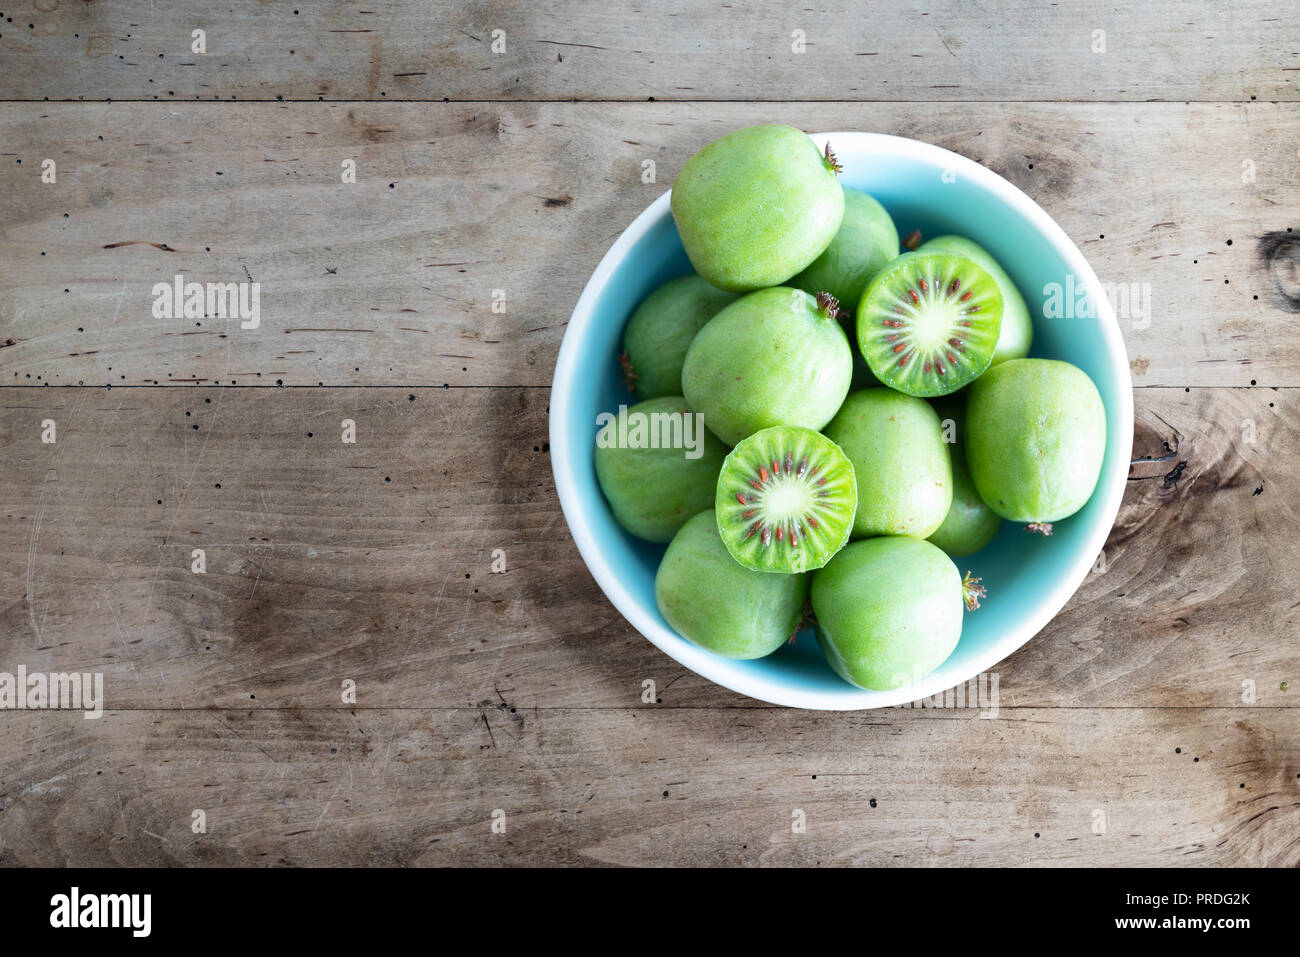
(866, 243)
(889, 610)
(1017, 328)
(970, 524)
(652, 486)
(904, 472)
(661, 329)
(786, 499)
(1035, 440)
(756, 206)
(773, 357)
(929, 323)
(717, 604)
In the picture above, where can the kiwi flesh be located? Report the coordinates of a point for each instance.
(661, 329)
(786, 500)
(1017, 333)
(929, 323)
(651, 486)
(714, 602)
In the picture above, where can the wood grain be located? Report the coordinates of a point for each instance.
(1152, 722)
(372, 562)
(676, 49)
(390, 281)
(651, 786)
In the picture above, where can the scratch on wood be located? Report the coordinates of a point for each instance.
(140, 242)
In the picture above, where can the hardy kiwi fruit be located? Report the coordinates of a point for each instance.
(786, 499)
(756, 206)
(774, 357)
(929, 322)
(970, 524)
(904, 472)
(1017, 329)
(716, 603)
(1035, 440)
(889, 610)
(660, 331)
(652, 485)
(866, 243)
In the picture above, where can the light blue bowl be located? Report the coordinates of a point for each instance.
(1029, 578)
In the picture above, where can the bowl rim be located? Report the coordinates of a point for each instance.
(1110, 485)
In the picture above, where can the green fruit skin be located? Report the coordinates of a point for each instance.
(1035, 439)
(1017, 328)
(866, 243)
(660, 331)
(770, 358)
(970, 524)
(712, 601)
(889, 611)
(756, 206)
(895, 443)
(654, 491)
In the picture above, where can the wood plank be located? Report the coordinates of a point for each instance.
(390, 281)
(372, 561)
(571, 49)
(647, 786)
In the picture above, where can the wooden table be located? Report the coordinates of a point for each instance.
(1149, 723)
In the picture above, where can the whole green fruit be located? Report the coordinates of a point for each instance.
(652, 482)
(866, 243)
(1017, 328)
(774, 357)
(889, 611)
(904, 472)
(716, 603)
(970, 524)
(1035, 440)
(660, 331)
(756, 206)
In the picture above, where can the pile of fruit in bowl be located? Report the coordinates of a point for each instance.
(827, 418)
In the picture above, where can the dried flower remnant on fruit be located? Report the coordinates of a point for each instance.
(829, 305)
(629, 374)
(913, 240)
(807, 619)
(831, 162)
(1039, 528)
(972, 591)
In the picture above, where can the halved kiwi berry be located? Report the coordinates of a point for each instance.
(786, 500)
(928, 324)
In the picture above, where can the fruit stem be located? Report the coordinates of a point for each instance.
(831, 162)
(972, 591)
(913, 240)
(828, 304)
(1039, 528)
